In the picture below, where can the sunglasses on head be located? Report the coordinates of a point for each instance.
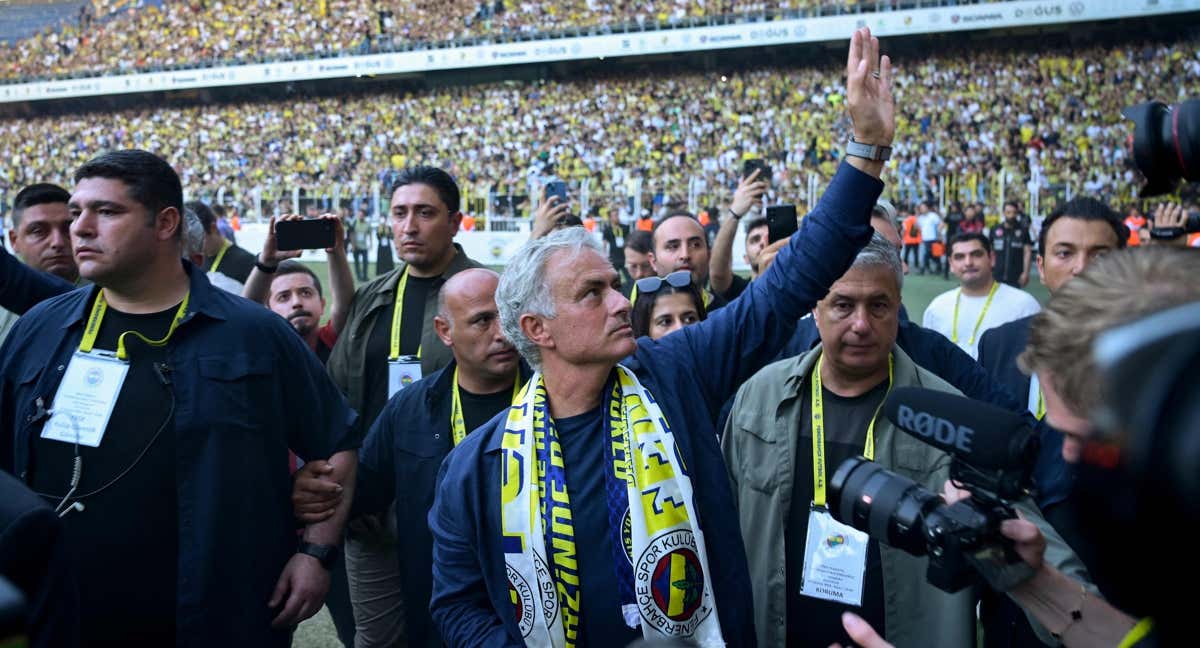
(677, 279)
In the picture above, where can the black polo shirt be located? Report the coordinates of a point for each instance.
(1009, 242)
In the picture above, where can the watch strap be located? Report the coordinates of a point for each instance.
(868, 151)
(262, 267)
(327, 555)
(1167, 233)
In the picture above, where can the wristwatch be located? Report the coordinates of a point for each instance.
(327, 555)
(868, 151)
(265, 268)
(1167, 233)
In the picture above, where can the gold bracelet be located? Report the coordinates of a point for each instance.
(1076, 615)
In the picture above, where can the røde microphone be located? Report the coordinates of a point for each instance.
(982, 435)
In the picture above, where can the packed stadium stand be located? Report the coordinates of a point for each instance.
(966, 116)
(980, 117)
(22, 20)
(189, 33)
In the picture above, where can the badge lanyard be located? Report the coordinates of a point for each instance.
(818, 431)
(978, 322)
(458, 425)
(397, 316)
(89, 391)
(101, 306)
(220, 255)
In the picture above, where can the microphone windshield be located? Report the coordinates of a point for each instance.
(982, 434)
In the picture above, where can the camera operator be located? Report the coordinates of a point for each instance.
(1071, 238)
(794, 421)
(1115, 290)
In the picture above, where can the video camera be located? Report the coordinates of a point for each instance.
(993, 453)
(1166, 146)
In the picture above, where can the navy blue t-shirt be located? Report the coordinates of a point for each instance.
(583, 455)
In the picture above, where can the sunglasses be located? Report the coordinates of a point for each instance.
(677, 279)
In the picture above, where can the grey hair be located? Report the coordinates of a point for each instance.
(193, 233)
(881, 253)
(525, 288)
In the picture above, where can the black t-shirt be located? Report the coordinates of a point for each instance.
(812, 621)
(616, 249)
(581, 438)
(736, 288)
(953, 220)
(236, 264)
(124, 543)
(379, 344)
(480, 408)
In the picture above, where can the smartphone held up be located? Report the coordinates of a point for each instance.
(308, 234)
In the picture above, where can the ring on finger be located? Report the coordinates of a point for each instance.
(875, 74)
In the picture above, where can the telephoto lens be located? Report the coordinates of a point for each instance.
(1165, 143)
(890, 508)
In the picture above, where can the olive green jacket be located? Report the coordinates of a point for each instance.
(347, 360)
(759, 445)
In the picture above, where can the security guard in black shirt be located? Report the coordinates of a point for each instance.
(1014, 248)
(421, 424)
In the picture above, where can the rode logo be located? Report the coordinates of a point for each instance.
(938, 429)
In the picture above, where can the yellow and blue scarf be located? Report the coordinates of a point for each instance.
(658, 551)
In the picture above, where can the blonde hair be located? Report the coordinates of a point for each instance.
(1116, 289)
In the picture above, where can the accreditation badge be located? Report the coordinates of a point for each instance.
(835, 560)
(85, 399)
(620, 240)
(403, 372)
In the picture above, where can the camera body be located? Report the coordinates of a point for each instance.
(962, 539)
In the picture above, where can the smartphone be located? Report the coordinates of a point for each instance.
(781, 222)
(309, 234)
(750, 165)
(557, 188)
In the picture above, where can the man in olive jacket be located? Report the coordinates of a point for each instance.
(392, 317)
(768, 448)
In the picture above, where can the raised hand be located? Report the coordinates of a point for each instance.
(271, 254)
(869, 90)
(339, 233)
(749, 193)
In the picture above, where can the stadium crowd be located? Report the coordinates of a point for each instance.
(969, 117)
(582, 450)
(190, 32)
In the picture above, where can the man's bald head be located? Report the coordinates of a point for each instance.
(469, 323)
(680, 244)
(476, 286)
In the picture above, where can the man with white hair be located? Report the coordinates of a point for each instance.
(791, 425)
(597, 512)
